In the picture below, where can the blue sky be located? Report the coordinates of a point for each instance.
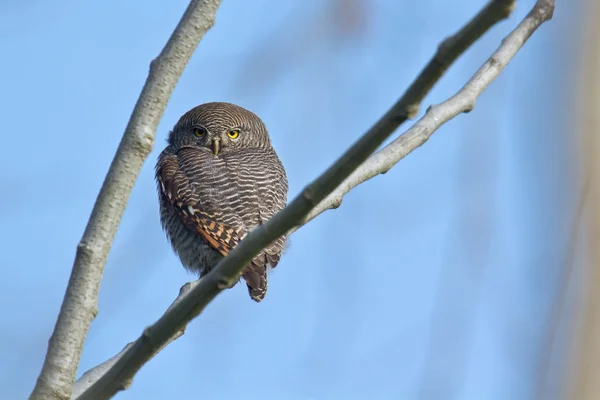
(433, 281)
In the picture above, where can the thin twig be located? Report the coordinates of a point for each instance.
(80, 302)
(295, 214)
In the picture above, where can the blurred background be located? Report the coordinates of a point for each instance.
(457, 275)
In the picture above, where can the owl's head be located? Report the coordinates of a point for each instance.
(219, 127)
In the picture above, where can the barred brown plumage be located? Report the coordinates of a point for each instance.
(218, 178)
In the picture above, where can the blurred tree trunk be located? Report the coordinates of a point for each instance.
(584, 379)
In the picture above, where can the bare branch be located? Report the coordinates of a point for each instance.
(79, 305)
(91, 376)
(386, 158)
(339, 176)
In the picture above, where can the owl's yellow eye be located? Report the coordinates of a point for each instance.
(199, 131)
(233, 134)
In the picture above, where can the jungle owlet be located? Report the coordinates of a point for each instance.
(218, 178)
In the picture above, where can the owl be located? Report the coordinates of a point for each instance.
(218, 178)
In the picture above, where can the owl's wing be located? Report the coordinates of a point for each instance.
(177, 189)
(205, 216)
(273, 199)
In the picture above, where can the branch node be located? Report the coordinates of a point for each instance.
(124, 384)
(403, 114)
(308, 195)
(84, 249)
(469, 107)
(412, 110)
(336, 202)
(185, 288)
(444, 49)
(493, 62)
(224, 283)
(507, 7)
(147, 334)
(153, 65)
(547, 9)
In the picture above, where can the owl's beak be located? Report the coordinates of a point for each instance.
(215, 146)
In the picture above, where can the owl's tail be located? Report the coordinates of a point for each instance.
(255, 276)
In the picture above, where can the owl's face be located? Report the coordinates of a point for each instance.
(220, 128)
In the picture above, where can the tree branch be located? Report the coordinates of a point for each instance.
(80, 303)
(390, 155)
(91, 376)
(338, 179)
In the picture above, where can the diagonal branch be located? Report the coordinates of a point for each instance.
(338, 179)
(390, 155)
(80, 302)
(90, 377)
